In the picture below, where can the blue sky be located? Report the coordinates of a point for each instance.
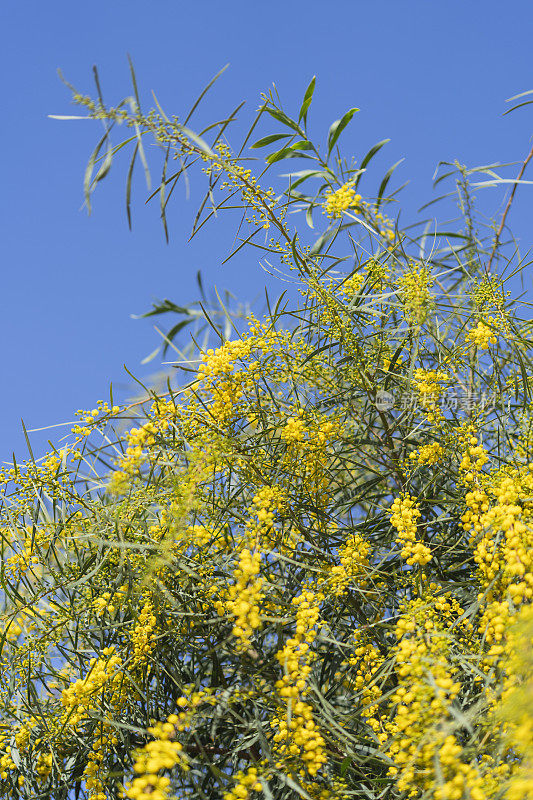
(432, 75)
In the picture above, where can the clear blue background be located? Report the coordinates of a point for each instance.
(432, 75)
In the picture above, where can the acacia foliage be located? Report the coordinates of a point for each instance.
(306, 570)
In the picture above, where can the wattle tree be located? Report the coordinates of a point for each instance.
(305, 569)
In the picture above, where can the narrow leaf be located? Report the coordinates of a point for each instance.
(286, 152)
(87, 179)
(66, 116)
(173, 333)
(369, 156)
(337, 128)
(202, 95)
(128, 185)
(134, 82)
(269, 139)
(322, 240)
(308, 98)
(283, 118)
(385, 181)
(143, 157)
(162, 308)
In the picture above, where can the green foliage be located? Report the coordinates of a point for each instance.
(304, 570)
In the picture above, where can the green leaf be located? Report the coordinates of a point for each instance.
(301, 144)
(299, 195)
(286, 152)
(88, 182)
(134, 82)
(322, 240)
(385, 181)
(202, 95)
(162, 308)
(284, 119)
(308, 98)
(369, 156)
(162, 199)
(173, 333)
(108, 160)
(143, 157)
(337, 128)
(128, 185)
(436, 200)
(303, 175)
(269, 139)
(345, 763)
(519, 105)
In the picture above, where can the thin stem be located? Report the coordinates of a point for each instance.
(508, 206)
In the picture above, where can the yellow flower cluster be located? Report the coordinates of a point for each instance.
(189, 703)
(265, 502)
(244, 598)
(502, 517)
(297, 736)
(294, 431)
(345, 199)
(201, 534)
(17, 624)
(427, 758)
(366, 662)
(353, 565)
(109, 601)
(488, 293)
(6, 762)
(474, 458)
(103, 742)
(88, 418)
(162, 753)
(84, 695)
(515, 709)
(333, 317)
(44, 765)
(27, 557)
(377, 272)
(221, 361)
(483, 334)
(341, 200)
(138, 439)
(428, 384)
(416, 294)
(352, 285)
(477, 502)
(404, 515)
(428, 454)
(383, 225)
(246, 782)
(22, 736)
(224, 386)
(144, 632)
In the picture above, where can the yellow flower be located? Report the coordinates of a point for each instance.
(482, 334)
(341, 200)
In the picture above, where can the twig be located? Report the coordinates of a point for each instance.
(508, 206)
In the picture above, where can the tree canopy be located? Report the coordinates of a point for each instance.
(305, 569)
